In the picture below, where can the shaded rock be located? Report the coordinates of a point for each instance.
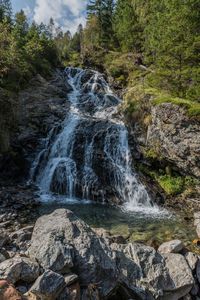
(4, 238)
(18, 268)
(187, 297)
(48, 286)
(73, 292)
(30, 296)
(180, 275)
(61, 241)
(143, 270)
(174, 246)
(192, 260)
(195, 290)
(198, 271)
(22, 235)
(8, 292)
(3, 255)
(70, 279)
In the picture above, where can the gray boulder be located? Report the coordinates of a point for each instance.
(174, 246)
(19, 268)
(61, 241)
(180, 274)
(4, 238)
(143, 270)
(192, 260)
(48, 286)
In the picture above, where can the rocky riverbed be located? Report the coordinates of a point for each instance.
(61, 257)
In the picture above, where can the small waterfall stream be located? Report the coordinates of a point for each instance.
(89, 158)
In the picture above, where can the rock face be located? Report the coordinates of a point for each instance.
(176, 136)
(39, 107)
(174, 246)
(63, 243)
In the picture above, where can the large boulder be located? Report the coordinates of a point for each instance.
(142, 269)
(180, 274)
(174, 246)
(61, 241)
(19, 268)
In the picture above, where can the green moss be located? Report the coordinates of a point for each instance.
(153, 151)
(192, 108)
(171, 185)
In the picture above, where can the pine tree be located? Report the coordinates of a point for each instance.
(103, 10)
(5, 10)
(127, 26)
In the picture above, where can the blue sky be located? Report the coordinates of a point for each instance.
(66, 13)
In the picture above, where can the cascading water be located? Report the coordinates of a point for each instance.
(90, 157)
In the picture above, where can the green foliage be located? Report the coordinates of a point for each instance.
(127, 26)
(25, 50)
(171, 185)
(102, 10)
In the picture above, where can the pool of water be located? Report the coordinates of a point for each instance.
(151, 228)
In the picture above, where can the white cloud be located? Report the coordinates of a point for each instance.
(27, 11)
(67, 13)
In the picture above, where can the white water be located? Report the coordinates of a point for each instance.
(66, 165)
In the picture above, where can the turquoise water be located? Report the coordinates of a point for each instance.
(151, 229)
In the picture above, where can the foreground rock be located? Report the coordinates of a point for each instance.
(63, 243)
(174, 246)
(48, 286)
(19, 268)
(180, 274)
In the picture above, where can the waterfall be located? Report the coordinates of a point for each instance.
(89, 158)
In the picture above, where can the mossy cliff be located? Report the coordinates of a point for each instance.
(165, 128)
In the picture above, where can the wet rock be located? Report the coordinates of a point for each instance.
(123, 230)
(48, 286)
(174, 246)
(192, 260)
(180, 275)
(19, 268)
(8, 292)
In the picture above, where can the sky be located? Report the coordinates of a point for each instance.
(66, 13)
